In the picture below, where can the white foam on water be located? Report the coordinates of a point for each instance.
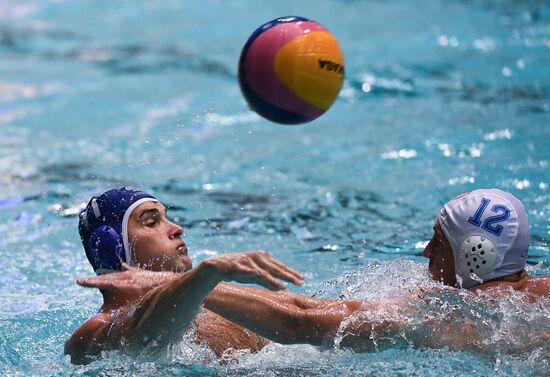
(510, 330)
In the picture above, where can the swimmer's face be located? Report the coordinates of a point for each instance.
(155, 242)
(438, 250)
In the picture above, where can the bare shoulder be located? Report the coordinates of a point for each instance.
(88, 340)
(538, 285)
(534, 286)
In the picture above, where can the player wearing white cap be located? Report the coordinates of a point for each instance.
(480, 242)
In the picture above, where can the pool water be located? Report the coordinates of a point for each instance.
(441, 97)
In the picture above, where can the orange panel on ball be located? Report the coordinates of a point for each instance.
(312, 66)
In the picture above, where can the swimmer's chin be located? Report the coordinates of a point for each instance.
(184, 269)
(185, 266)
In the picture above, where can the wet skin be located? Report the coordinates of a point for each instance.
(161, 299)
(442, 268)
(155, 242)
(162, 294)
(439, 252)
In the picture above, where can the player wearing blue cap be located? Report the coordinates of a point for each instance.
(103, 228)
(480, 241)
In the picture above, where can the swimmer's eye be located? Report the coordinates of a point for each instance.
(151, 221)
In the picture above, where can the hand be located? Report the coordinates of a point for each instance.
(253, 267)
(132, 281)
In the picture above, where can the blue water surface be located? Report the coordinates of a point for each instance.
(441, 97)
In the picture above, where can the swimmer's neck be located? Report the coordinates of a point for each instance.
(115, 301)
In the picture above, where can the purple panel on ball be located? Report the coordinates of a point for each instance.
(267, 110)
(259, 70)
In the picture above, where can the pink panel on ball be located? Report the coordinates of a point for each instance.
(260, 73)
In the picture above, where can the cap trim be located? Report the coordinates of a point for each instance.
(95, 207)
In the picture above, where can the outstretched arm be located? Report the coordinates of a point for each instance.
(132, 324)
(165, 310)
(288, 318)
(282, 316)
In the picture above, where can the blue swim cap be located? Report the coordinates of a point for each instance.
(103, 227)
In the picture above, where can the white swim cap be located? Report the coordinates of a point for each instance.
(488, 232)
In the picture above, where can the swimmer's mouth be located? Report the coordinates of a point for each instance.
(182, 252)
(182, 249)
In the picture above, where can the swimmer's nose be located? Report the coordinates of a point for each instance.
(175, 230)
(428, 250)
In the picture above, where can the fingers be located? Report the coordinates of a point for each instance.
(264, 278)
(104, 281)
(93, 283)
(288, 277)
(292, 271)
(277, 268)
(256, 267)
(271, 283)
(281, 273)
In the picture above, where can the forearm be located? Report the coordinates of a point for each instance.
(281, 296)
(302, 301)
(171, 307)
(453, 333)
(143, 306)
(280, 316)
(257, 310)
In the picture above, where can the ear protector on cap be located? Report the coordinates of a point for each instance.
(106, 247)
(478, 256)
